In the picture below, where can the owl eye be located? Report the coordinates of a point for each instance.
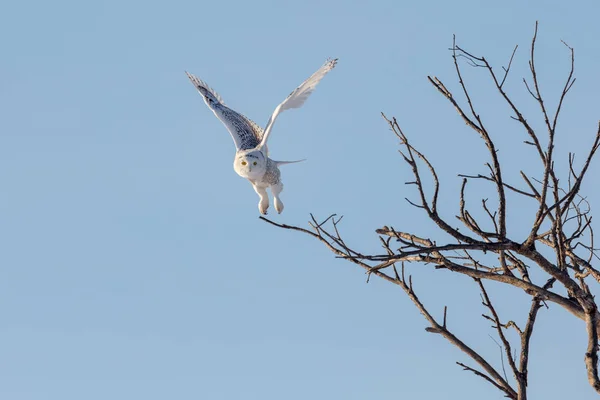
(254, 163)
(244, 163)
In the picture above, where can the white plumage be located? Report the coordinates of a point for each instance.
(251, 159)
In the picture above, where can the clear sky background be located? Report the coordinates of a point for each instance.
(133, 264)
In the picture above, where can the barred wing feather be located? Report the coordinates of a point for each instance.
(246, 133)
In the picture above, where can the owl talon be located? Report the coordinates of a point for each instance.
(276, 189)
(263, 210)
(278, 205)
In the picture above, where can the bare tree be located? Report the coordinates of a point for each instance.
(559, 246)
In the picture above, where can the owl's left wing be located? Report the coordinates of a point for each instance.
(297, 98)
(246, 134)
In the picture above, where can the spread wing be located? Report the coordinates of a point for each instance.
(297, 98)
(246, 133)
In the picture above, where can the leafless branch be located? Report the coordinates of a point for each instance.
(559, 244)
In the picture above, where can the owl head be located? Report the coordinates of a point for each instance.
(250, 164)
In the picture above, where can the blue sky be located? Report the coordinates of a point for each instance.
(134, 264)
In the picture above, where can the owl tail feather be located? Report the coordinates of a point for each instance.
(278, 163)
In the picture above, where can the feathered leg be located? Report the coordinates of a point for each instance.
(263, 204)
(276, 189)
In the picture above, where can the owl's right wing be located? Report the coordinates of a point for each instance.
(246, 134)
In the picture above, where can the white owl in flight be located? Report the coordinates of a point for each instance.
(251, 158)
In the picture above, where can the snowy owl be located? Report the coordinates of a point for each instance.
(251, 159)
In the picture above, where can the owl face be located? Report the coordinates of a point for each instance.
(250, 164)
